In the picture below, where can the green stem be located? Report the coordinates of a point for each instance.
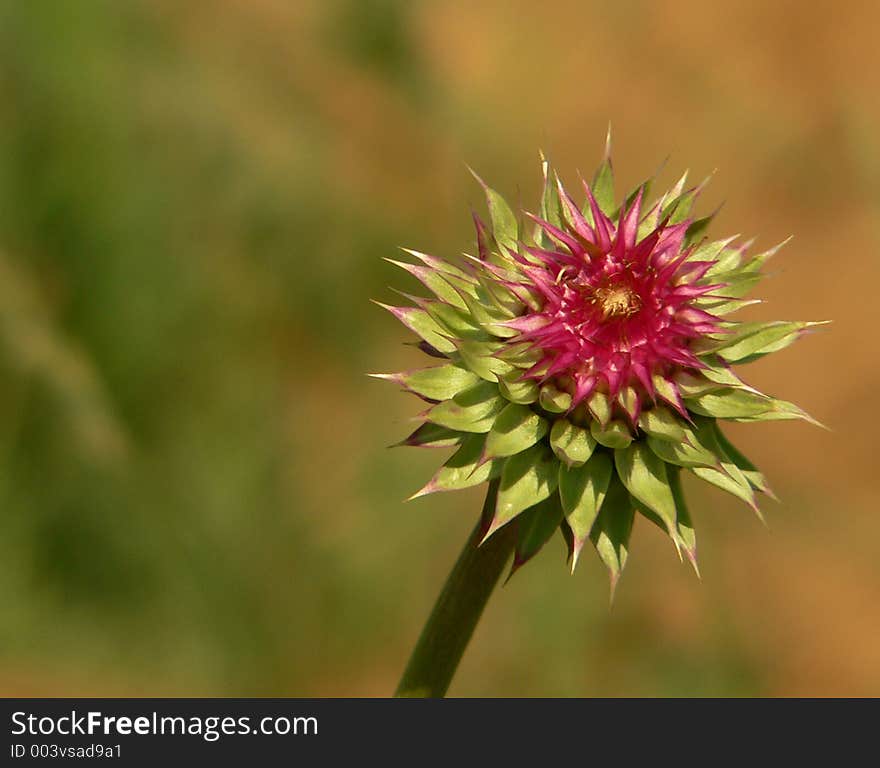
(458, 609)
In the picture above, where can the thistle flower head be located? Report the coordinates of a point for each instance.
(587, 360)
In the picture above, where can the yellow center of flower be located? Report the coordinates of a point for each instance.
(617, 301)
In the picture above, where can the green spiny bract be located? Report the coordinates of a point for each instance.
(587, 360)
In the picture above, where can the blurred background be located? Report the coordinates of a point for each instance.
(195, 199)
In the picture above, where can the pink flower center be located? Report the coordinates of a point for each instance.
(616, 301)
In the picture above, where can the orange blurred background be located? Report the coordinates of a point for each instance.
(194, 203)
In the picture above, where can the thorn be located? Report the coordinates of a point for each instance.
(424, 491)
(815, 422)
(473, 173)
(494, 525)
(614, 579)
(772, 251)
(704, 183)
(760, 516)
(413, 269)
(489, 532)
(417, 300)
(484, 459)
(675, 541)
(692, 556)
(660, 167)
(395, 377)
(514, 567)
(414, 253)
(576, 549)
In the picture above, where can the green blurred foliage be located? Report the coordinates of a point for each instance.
(195, 198)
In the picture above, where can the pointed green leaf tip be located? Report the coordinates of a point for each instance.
(464, 469)
(550, 210)
(612, 529)
(423, 326)
(731, 404)
(684, 524)
(440, 383)
(749, 470)
(442, 286)
(504, 224)
(603, 181)
(536, 526)
(754, 340)
(527, 478)
(432, 436)
(727, 475)
(644, 476)
(582, 490)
